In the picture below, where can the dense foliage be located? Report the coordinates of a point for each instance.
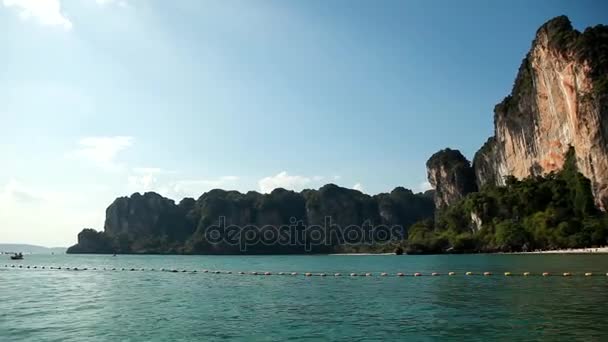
(152, 224)
(590, 46)
(550, 212)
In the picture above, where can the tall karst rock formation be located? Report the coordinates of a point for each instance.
(560, 98)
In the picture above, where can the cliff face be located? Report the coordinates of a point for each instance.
(150, 223)
(559, 99)
(149, 214)
(452, 176)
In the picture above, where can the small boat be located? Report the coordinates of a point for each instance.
(17, 256)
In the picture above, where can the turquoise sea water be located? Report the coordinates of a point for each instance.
(61, 305)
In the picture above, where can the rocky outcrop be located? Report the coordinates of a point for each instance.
(559, 99)
(91, 241)
(451, 175)
(149, 214)
(150, 223)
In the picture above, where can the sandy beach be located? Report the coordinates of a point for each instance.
(570, 251)
(598, 250)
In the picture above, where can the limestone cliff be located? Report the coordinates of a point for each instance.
(150, 223)
(452, 176)
(560, 98)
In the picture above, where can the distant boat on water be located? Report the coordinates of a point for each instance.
(17, 256)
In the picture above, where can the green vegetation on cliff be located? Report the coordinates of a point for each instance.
(152, 224)
(554, 211)
(590, 46)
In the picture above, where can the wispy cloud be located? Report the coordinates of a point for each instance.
(143, 182)
(154, 179)
(424, 186)
(17, 192)
(195, 188)
(148, 170)
(286, 181)
(102, 151)
(46, 12)
(59, 214)
(121, 3)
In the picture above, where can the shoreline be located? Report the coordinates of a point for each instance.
(598, 250)
(589, 250)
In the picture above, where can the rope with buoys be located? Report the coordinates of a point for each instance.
(305, 274)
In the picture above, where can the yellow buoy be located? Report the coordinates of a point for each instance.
(294, 273)
(451, 273)
(588, 274)
(546, 274)
(526, 274)
(487, 273)
(308, 274)
(469, 273)
(567, 274)
(507, 274)
(434, 274)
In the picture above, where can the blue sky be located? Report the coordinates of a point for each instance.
(102, 98)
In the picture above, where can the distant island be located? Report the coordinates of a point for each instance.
(541, 182)
(11, 248)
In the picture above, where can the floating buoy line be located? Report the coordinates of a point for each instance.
(305, 274)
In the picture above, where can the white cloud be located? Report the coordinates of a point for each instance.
(148, 170)
(46, 12)
(358, 186)
(195, 188)
(59, 215)
(145, 182)
(121, 3)
(102, 150)
(337, 177)
(424, 186)
(17, 192)
(284, 180)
